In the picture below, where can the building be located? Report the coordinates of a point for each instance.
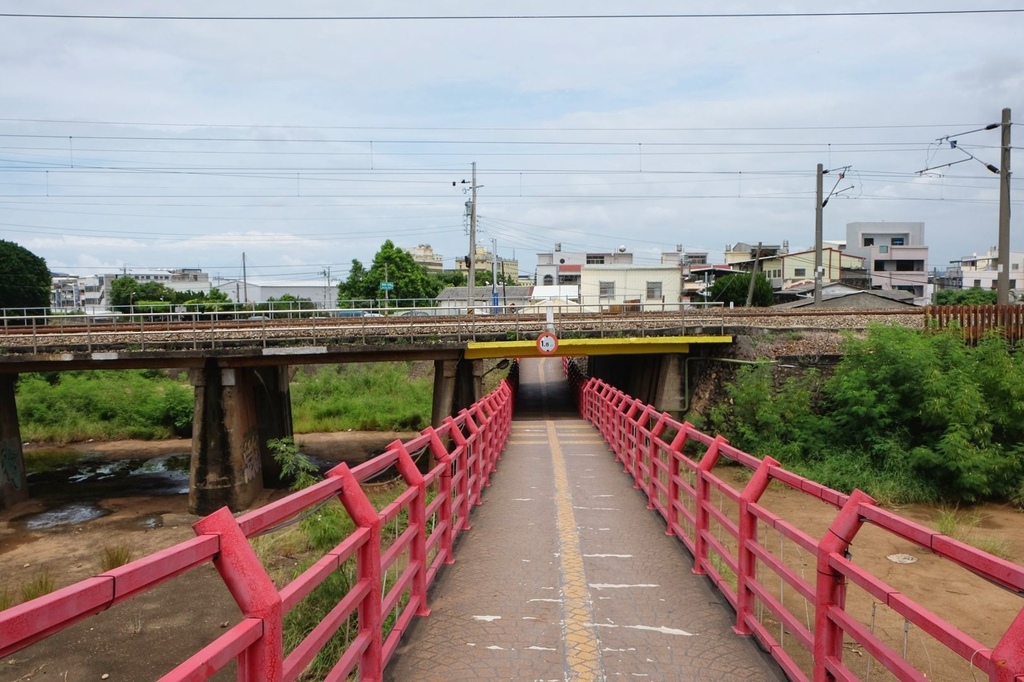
(611, 287)
(321, 294)
(784, 269)
(484, 261)
(454, 300)
(563, 267)
(895, 255)
(425, 256)
(94, 290)
(838, 295)
(65, 292)
(982, 272)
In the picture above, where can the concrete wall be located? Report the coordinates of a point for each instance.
(13, 482)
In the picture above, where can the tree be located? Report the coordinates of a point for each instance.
(974, 296)
(409, 279)
(733, 289)
(24, 278)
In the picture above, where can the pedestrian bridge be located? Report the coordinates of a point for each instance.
(542, 546)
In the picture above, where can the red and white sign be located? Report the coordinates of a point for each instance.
(547, 343)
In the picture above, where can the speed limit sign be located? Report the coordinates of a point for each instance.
(547, 343)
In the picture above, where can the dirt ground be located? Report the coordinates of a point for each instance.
(177, 619)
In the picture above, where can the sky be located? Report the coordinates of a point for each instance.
(304, 134)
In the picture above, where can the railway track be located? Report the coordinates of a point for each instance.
(151, 334)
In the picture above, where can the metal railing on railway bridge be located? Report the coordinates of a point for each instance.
(813, 627)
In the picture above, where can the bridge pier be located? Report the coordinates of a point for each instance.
(654, 378)
(457, 385)
(13, 481)
(237, 410)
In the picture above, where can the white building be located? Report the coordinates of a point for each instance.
(322, 295)
(646, 287)
(895, 255)
(982, 272)
(563, 267)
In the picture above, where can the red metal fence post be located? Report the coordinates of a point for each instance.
(461, 465)
(654, 455)
(1008, 655)
(746, 560)
(444, 489)
(675, 452)
(359, 507)
(252, 589)
(700, 511)
(831, 587)
(418, 520)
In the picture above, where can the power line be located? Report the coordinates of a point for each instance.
(510, 17)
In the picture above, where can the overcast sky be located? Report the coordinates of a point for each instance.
(142, 144)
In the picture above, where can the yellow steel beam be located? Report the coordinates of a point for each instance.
(577, 347)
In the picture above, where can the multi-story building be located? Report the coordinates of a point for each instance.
(483, 260)
(895, 255)
(644, 287)
(983, 271)
(564, 267)
(425, 256)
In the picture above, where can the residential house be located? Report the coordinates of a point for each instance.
(645, 287)
(895, 254)
(983, 271)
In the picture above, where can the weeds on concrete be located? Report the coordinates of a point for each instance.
(42, 583)
(963, 526)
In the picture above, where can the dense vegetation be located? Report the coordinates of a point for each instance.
(24, 278)
(973, 296)
(906, 416)
(64, 407)
(734, 289)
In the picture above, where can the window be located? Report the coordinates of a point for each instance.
(1013, 284)
(879, 266)
(897, 241)
(800, 272)
(883, 249)
(549, 280)
(977, 283)
(654, 291)
(595, 260)
(869, 241)
(606, 289)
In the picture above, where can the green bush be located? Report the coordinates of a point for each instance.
(906, 416)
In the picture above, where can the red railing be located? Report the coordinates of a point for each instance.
(466, 449)
(683, 490)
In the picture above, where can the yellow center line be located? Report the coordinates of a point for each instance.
(582, 649)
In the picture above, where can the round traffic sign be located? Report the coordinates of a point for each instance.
(547, 343)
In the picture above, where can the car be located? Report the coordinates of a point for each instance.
(414, 313)
(258, 317)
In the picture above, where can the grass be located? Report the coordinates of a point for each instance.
(963, 526)
(42, 583)
(112, 556)
(7, 598)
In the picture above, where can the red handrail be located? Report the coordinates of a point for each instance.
(476, 436)
(625, 424)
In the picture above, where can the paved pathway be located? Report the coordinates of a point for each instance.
(566, 575)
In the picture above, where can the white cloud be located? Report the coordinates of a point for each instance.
(726, 119)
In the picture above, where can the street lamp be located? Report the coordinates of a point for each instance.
(131, 303)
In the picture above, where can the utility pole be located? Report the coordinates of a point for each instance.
(494, 273)
(472, 245)
(818, 205)
(1003, 275)
(245, 282)
(753, 276)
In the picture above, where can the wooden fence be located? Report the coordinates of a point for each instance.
(974, 321)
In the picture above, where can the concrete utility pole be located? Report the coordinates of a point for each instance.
(472, 246)
(753, 275)
(1003, 275)
(494, 273)
(817, 237)
(245, 281)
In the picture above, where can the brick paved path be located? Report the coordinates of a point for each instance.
(566, 575)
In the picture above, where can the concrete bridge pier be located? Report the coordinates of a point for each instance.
(457, 385)
(655, 379)
(236, 411)
(13, 482)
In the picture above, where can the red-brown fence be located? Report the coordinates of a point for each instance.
(974, 321)
(722, 528)
(466, 449)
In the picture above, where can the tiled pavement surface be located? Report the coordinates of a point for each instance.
(566, 575)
